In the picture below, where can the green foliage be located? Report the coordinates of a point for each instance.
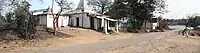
(64, 4)
(118, 10)
(100, 6)
(10, 17)
(21, 15)
(21, 21)
(137, 11)
(193, 21)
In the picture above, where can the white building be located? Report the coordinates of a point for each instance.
(80, 17)
(46, 18)
(152, 24)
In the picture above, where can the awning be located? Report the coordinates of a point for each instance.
(106, 18)
(111, 19)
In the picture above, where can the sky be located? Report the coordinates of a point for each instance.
(37, 4)
(178, 9)
(181, 8)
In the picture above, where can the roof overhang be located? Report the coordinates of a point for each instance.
(106, 18)
(111, 19)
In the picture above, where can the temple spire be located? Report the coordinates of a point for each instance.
(82, 5)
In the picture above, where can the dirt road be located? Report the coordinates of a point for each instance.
(130, 45)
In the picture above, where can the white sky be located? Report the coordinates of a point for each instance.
(181, 8)
(177, 8)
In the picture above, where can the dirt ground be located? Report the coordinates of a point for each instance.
(79, 36)
(161, 44)
(85, 36)
(173, 44)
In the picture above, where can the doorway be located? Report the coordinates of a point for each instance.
(77, 22)
(92, 22)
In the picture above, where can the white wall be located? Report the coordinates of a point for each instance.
(67, 22)
(95, 23)
(102, 22)
(42, 20)
(86, 20)
(155, 25)
(63, 21)
(73, 20)
(148, 25)
(49, 21)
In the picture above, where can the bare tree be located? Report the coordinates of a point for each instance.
(100, 6)
(193, 20)
(64, 5)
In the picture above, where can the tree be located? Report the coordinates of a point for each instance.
(26, 24)
(100, 6)
(1, 5)
(193, 21)
(118, 10)
(20, 20)
(64, 5)
(136, 10)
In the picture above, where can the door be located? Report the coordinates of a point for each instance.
(99, 24)
(92, 22)
(70, 21)
(77, 22)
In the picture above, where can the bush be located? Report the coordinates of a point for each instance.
(21, 22)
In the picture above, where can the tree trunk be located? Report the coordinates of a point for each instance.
(56, 20)
(102, 10)
(54, 25)
(145, 24)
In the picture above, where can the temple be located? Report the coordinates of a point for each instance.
(81, 17)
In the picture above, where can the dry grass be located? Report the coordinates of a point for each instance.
(67, 37)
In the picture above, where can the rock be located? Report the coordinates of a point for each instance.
(4, 47)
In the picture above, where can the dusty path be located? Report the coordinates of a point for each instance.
(100, 46)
